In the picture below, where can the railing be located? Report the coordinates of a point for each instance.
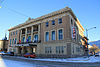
(30, 42)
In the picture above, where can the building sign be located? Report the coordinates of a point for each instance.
(22, 45)
(73, 32)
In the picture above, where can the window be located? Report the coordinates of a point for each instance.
(60, 20)
(23, 40)
(60, 49)
(36, 38)
(60, 34)
(29, 38)
(47, 36)
(77, 49)
(16, 32)
(13, 33)
(48, 50)
(10, 41)
(15, 41)
(71, 22)
(47, 24)
(53, 22)
(53, 35)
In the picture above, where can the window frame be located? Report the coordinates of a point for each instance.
(62, 34)
(53, 22)
(45, 36)
(55, 34)
(47, 24)
(60, 22)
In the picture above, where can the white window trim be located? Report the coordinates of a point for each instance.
(51, 35)
(58, 33)
(34, 35)
(58, 20)
(44, 36)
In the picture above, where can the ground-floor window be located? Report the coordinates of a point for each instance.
(48, 50)
(59, 49)
(77, 49)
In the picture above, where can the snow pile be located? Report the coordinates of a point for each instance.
(80, 59)
(91, 59)
(94, 59)
(2, 64)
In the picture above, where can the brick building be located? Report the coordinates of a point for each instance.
(57, 34)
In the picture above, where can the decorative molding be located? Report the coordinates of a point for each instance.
(61, 11)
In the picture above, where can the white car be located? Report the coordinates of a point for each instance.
(97, 54)
(2, 53)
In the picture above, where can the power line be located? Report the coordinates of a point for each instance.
(1, 1)
(16, 12)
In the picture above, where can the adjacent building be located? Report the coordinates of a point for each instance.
(57, 34)
(3, 45)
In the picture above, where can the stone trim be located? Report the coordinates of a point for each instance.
(61, 11)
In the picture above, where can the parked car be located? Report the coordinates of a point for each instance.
(91, 54)
(31, 55)
(2, 53)
(10, 53)
(97, 54)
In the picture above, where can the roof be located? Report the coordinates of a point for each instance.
(29, 21)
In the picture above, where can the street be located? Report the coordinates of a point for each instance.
(15, 62)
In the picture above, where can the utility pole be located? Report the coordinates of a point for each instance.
(88, 39)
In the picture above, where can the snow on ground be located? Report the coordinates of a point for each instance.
(91, 59)
(79, 59)
(2, 64)
(10, 63)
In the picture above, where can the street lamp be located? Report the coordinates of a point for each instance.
(87, 39)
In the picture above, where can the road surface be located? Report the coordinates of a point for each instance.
(15, 62)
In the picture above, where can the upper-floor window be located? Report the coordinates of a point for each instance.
(47, 24)
(60, 34)
(36, 38)
(15, 40)
(16, 32)
(53, 22)
(53, 35)
(10, 41)
(60, 20)
(71, 22)
(23, 39)
(28, 31)
(13, 33)
(47, 36)
(29, 39)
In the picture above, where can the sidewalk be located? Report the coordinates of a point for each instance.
(91, 59)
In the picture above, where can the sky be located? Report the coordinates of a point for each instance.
(14, 12)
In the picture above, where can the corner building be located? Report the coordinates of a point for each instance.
(58, 34)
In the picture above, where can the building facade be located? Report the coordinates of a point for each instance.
(3, 45)
(58, 34)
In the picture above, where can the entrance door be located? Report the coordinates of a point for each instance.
(33, 50)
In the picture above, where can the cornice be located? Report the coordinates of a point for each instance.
(29, 21)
